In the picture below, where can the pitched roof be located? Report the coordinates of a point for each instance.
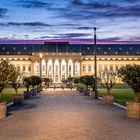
(85, 49)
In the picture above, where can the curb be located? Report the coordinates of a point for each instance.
(116, 104)
(9, 104)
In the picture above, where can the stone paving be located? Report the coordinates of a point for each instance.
(66, 115)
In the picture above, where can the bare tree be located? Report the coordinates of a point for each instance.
(108, 79)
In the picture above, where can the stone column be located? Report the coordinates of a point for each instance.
(53, 70)
(80, 70)
(67, 69)
(32, 69)
(47, 69)
(60, 78)
(73, 68)
(40, 67)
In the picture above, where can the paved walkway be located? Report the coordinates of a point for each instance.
(68, 116)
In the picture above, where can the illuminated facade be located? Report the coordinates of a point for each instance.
(60, 60)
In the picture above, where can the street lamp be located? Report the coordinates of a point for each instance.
(95, 63)
(40, 55)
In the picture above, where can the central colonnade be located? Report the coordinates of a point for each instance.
(56, 69)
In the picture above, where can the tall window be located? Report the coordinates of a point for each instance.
(29, 67)
(24, 68)
(84, 68)
(89, 68)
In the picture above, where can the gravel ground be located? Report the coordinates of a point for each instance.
(66, 115)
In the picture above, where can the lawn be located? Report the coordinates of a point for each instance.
(120, 96)
(7, 94)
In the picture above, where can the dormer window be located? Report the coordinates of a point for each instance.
(18, 52)
(120, 48)
(109, 48)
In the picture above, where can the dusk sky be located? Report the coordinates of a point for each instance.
(116, 20)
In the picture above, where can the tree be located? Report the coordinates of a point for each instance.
(76, 80)
(47, 81)
(5, 71)
(83, 80)
(14, 78)
(35, 81)
(27, 82)
(130, 74)
(88, 80)
(107, 79)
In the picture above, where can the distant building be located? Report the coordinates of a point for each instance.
(59, 60)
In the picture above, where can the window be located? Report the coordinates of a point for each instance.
(37, 68)
(89, 68)
(70, 69)
(111, 68)
(18, 68)
(63, 67)
(24, 68)
(116, 68)
(84, 68)
(29, 68)
(43, 68)
(49, 67)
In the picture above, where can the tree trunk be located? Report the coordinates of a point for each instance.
(136, 97)
(27, 89)
(16, 91)
(108, 91)
(0, 96)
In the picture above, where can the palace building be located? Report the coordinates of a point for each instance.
(60, 60)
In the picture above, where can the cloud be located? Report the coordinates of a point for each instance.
(110, 39)
(71, 35)
(32, 4)
(66, 36)
(96, 5)
(132, 1)
(33, 24)
(3, 11)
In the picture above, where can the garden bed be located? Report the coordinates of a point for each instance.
(120, 96)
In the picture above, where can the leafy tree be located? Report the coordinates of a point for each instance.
(76, 80)
(35, 81)
(83, 80)
(88, 80)
(27, 82)
(14, 78)
(5, 72)
(107, 79)
(47, 81)
(68, 81)
(130, 74)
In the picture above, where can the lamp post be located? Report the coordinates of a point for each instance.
(95, 63)
(40, 55)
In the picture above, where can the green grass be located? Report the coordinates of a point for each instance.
(117, 86)
(7, 94)
(120, 96)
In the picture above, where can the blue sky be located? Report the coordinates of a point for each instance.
(70, 19)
